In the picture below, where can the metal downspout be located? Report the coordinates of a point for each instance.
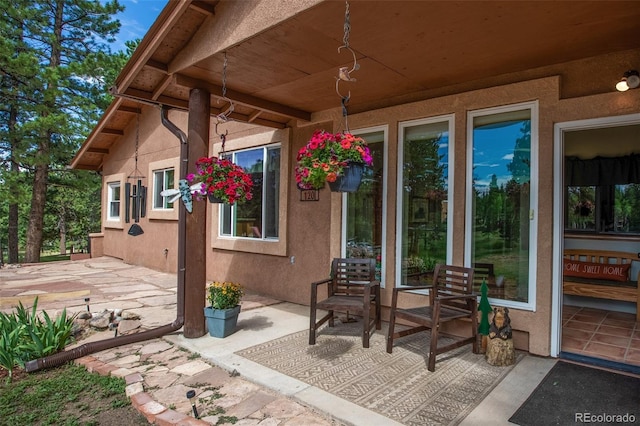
(92, 347)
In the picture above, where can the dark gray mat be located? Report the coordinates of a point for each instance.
(574, 394)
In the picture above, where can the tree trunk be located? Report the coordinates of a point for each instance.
(36, 216)
(63, 237)
(12, 243)
(39, 197)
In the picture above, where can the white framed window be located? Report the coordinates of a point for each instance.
(425, 186)
(502, 197)
(114, 196)
(163, 179)
(258, 217)
(260, 225)
(164, 174)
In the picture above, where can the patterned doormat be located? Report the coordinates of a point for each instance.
(397, 385)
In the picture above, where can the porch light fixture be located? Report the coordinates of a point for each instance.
(630, 80)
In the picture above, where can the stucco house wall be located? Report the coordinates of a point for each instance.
(312, 232)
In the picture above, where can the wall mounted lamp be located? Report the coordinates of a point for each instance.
(630, 80)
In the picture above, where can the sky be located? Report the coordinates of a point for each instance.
(136, 20)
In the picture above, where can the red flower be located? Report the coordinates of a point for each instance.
(222, 178)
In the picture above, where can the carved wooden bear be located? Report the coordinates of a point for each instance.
(500, 349)
(500, 324)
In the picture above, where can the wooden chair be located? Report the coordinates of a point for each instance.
(495, 284)
(451, 298)
(352, 288)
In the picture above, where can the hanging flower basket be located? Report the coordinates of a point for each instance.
(349, 180)
(213, 199)
(222, 181)
(325, 157)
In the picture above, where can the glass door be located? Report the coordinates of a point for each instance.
(500, 214)
(364, 210)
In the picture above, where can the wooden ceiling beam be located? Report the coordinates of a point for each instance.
(166, 81)
(109, 131)
(132, 110)
(169, 16)
(146, 97)
(98, 150)
(157, 65)
(243, 98)
(86, 167)
(204, 7)
(253, 116)
(207, 40)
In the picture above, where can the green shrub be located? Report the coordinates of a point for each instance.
(24, 336)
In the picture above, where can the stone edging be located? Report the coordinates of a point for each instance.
(153, 411)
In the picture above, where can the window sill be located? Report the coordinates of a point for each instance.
(601, 236)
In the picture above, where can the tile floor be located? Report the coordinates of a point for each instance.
(597, 333)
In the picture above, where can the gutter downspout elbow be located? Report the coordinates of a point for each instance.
(92, 347)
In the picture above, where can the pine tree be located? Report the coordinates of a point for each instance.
(53, 61)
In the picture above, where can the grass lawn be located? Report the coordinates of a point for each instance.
(66, 395)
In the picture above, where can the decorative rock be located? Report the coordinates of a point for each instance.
(101, 322)
(126, 326)
(84, 315)
(128, 315)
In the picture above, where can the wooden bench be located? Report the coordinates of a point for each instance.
(603, 288)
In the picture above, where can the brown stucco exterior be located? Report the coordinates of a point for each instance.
(311, 231)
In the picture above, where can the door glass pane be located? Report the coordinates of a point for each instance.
(248, 215)
(425, 183)
(501, 200)
(364, 207)
(272, 193)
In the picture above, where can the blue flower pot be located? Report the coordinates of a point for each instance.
(350, 179)
(221, 322)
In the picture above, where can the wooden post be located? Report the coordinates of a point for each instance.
(196, 222)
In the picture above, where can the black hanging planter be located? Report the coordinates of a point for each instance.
(213, 199)
(350, 179)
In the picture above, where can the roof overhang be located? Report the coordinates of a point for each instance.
(283, 56)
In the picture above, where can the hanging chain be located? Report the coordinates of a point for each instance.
(347, 26)
(224, 76)
(137, 138)
(137, 173)
(344, 72)
(223, 117)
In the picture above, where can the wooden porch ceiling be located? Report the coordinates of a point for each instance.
(406, 50)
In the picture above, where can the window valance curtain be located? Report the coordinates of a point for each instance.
(602, 170)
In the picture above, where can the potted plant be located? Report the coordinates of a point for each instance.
(222, 180)
(224, 307)
(332, 158)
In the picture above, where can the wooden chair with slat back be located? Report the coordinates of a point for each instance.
(451, 298)
(352, 288)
